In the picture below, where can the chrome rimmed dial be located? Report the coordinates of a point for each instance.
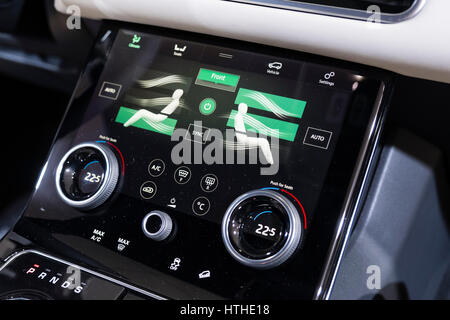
(157, 225)
(261, 229)
(87, 175)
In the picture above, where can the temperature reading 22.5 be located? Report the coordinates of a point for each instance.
(266, 230)
(91, 177)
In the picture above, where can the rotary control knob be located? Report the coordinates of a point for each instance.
(157, 225)
(87, 175)
(261, 229)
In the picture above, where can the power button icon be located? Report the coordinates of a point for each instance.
(207, 106)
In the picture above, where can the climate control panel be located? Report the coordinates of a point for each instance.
(260, 229)
(242, 201)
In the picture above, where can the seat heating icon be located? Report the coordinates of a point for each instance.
(155, 119)
(241, 134)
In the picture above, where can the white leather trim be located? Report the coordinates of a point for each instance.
(418, 47)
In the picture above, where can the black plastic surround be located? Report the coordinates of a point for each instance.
(316, 164)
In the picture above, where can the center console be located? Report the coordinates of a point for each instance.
(192, 167)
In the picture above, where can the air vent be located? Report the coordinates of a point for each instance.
(385, 11)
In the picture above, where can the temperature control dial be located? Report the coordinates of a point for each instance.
(261, 229)
(87, 175)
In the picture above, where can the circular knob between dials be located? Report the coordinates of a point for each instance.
(157, 225)
(87, 175)
(261, 229)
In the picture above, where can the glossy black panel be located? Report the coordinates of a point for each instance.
(315, 161)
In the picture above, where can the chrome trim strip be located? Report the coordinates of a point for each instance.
(351, 209)
(99, 275)
(348, 13)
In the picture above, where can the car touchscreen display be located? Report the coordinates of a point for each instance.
(209, 167)
(204, 124)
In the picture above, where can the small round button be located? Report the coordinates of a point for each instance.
(207, 106)
(182, 175)
(148, 190)
(209, 182)
(156, 167)
(201, 206)
(157, 225)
